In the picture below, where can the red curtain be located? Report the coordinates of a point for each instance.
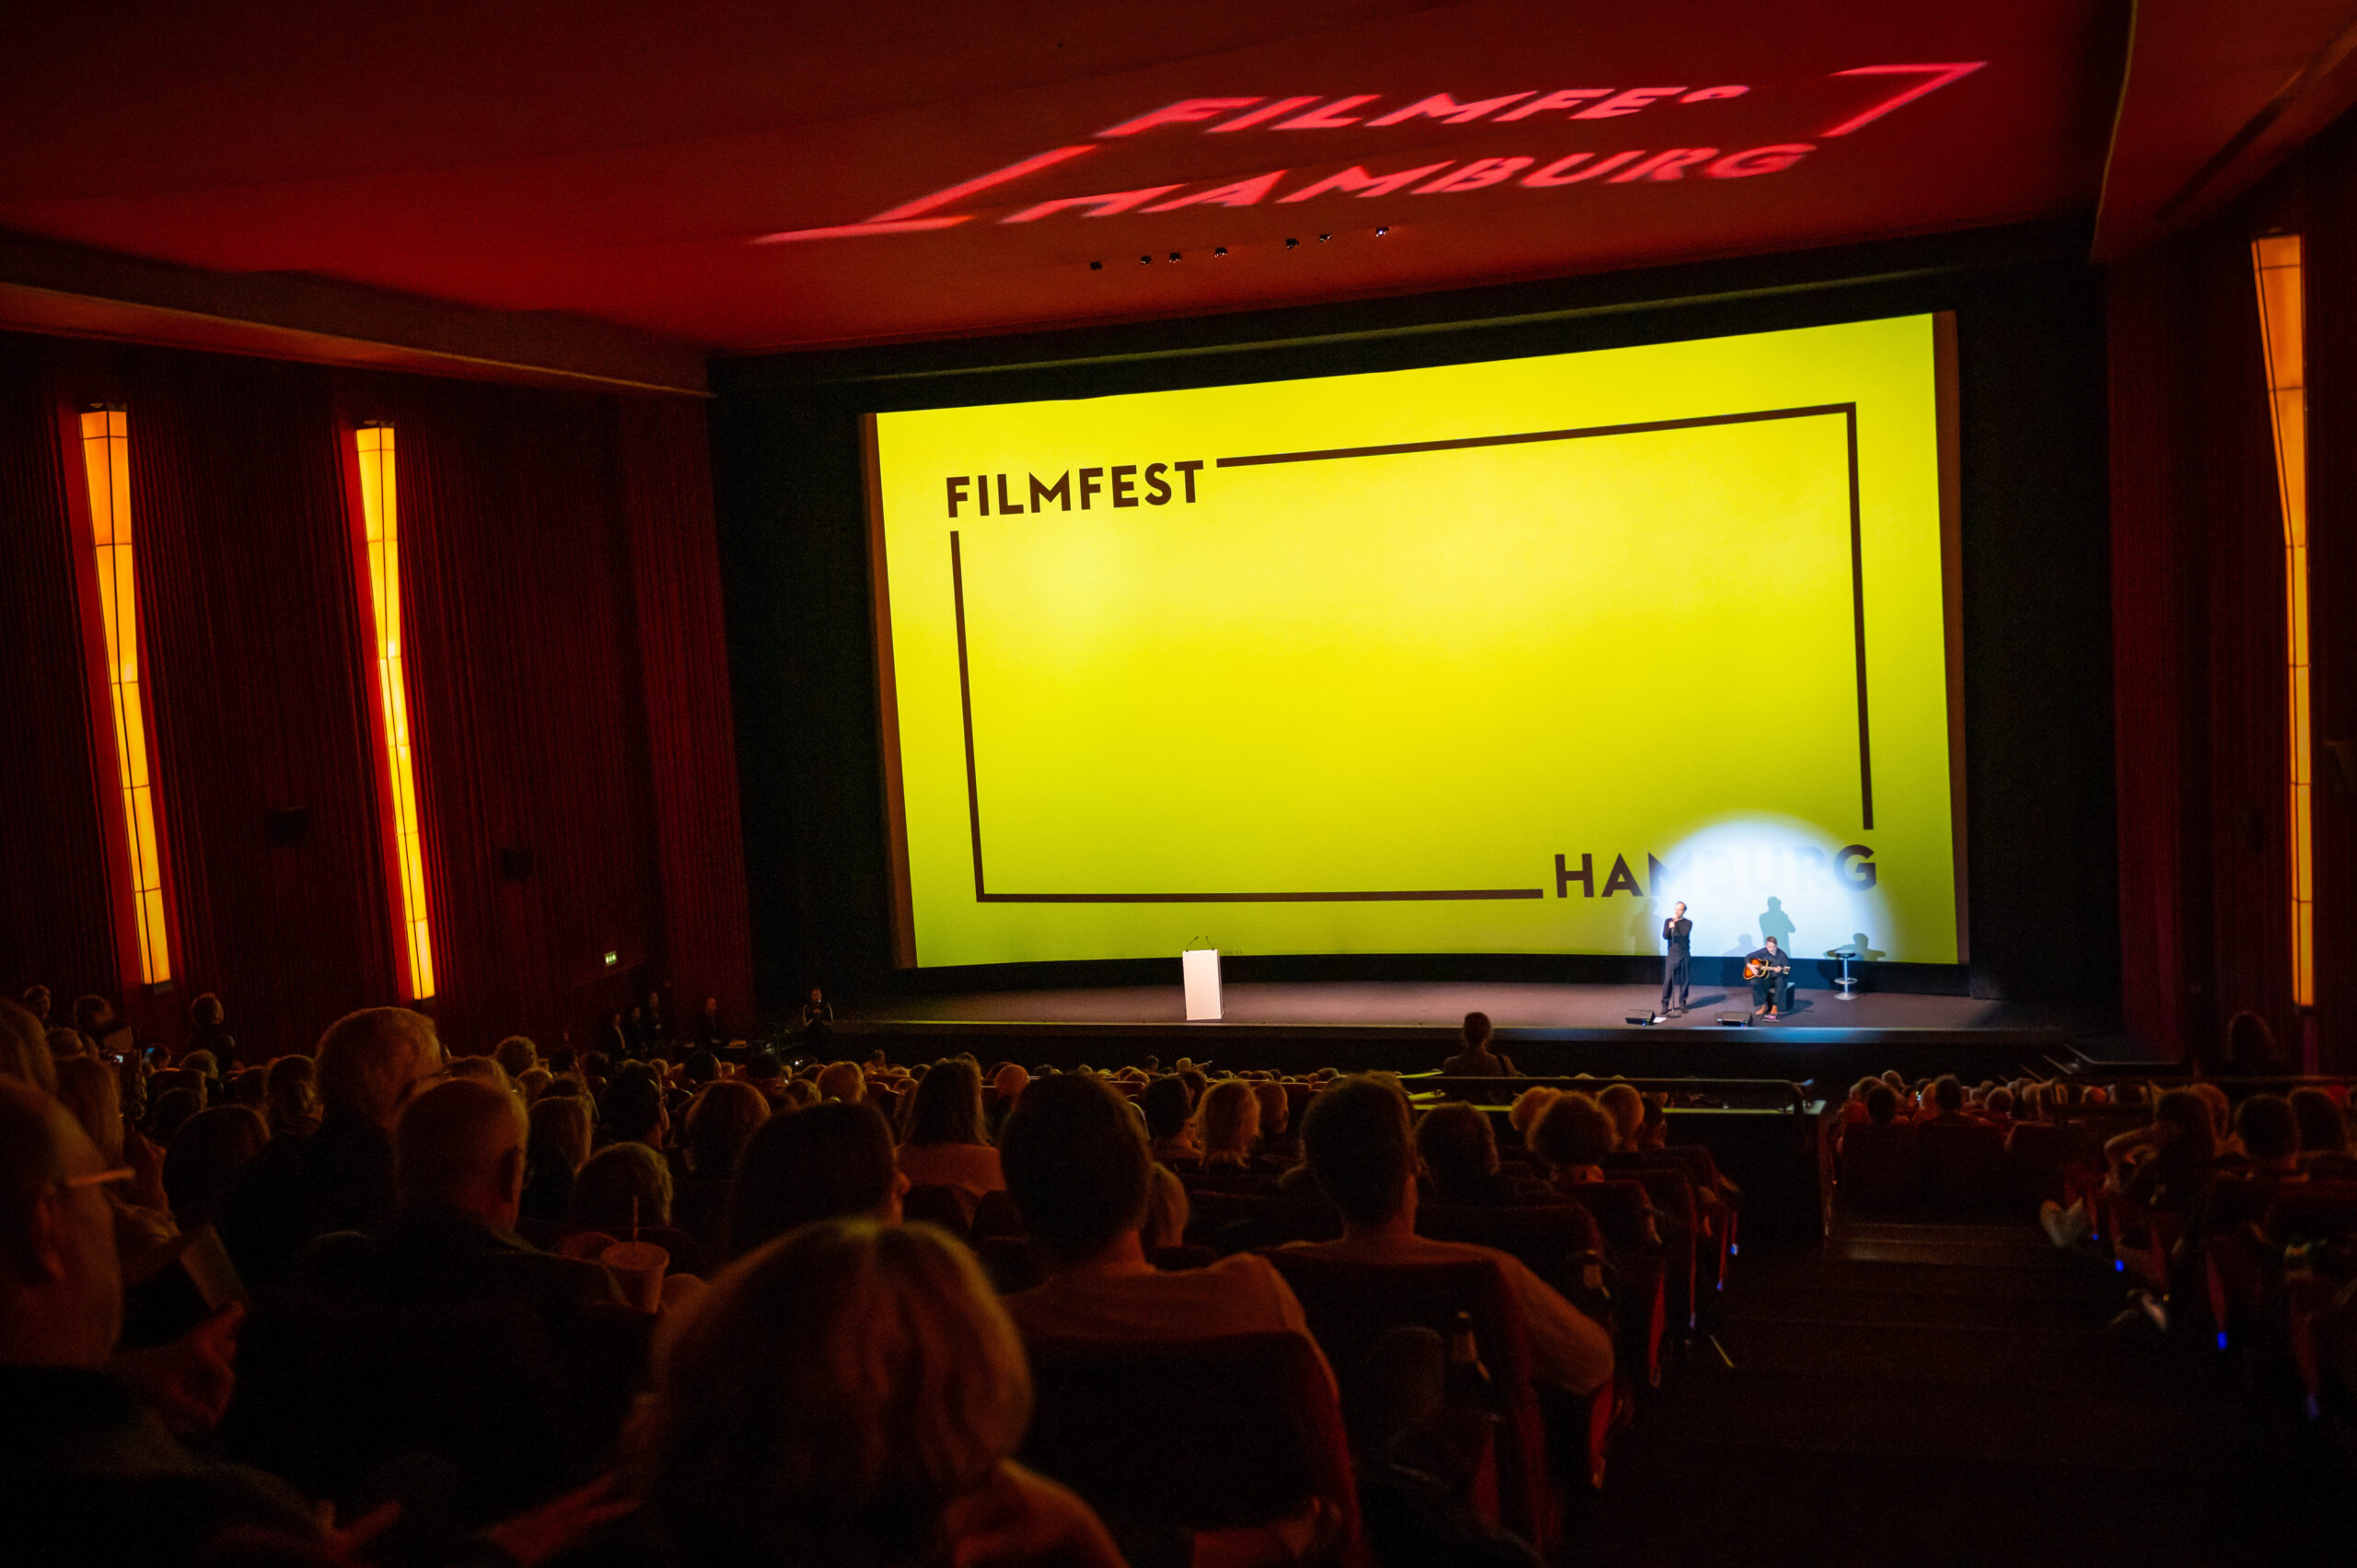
(684, 669)
(55, 924)
(537, 804)
(562, 635)
(254, 659)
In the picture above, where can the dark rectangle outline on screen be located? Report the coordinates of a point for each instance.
(1858, 603)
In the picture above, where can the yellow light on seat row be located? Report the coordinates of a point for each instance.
(106, 467)
(380, 517)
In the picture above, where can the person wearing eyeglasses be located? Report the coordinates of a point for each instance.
(87, 1473)
(370, 1063)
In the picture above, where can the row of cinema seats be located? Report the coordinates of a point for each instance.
(1960, 1168)
(1246, 1433)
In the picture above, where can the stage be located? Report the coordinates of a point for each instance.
(1543, 1029)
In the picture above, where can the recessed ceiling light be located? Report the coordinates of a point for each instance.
(1324, 237)
(1291, 244)
(1096, 266)
(1146, 261)
(1174, 255)
(1381, 229)
(1219, 249)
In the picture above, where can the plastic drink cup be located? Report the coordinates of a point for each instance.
(638, 1268)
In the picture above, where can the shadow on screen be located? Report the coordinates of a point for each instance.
(1858, 946)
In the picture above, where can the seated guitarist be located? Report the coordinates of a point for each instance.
(1770, 970)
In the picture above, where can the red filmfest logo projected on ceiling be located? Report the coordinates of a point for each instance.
(1221, 116)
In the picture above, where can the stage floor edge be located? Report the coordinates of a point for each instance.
(1403, 1025)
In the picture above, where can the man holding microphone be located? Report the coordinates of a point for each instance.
(1677, 959)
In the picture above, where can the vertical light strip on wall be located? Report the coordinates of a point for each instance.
(106, 461)
(2275, 258)
(380, 514)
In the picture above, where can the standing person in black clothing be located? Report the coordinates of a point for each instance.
(1677, 959)
(712, 1029)
(658, 1036)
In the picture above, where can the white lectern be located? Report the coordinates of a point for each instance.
(1200, 965)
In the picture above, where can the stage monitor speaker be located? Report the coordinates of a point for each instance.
(1641, 1018)
(1736, 1020)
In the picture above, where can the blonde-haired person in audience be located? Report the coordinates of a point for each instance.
(1166, 1211)
(842, 1081)
(948, 1142)
(1525, 1111)
(851, 1393)
(1229, 1119)
(557, 1146)
(1626, 1108)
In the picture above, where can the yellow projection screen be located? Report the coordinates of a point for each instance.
(1495, 658)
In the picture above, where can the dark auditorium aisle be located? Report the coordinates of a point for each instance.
(1948, 1393)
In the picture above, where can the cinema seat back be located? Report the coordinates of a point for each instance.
(1882, 1169)
(2036, 1156)
(1544, 1238)
(1192, 1435)
(1963, 1167)
(951, 1208)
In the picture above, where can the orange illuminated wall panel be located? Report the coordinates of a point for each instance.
(112, 589)
(2275, 259)
(380, 541)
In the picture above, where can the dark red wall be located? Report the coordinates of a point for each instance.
(567, 683)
